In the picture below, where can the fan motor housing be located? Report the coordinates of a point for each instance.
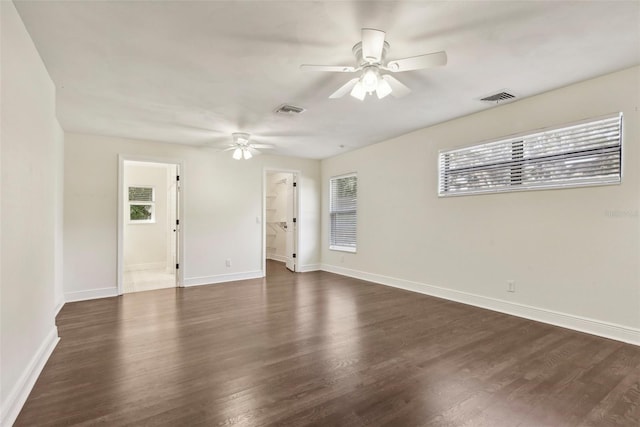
(357, 52)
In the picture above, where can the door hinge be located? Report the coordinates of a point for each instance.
(177, 177)
(295, 220)
(294, 255)
(177, 222)
(295, 184)
(177, 266)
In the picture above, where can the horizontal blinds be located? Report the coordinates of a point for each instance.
(140, 194)
(588, 153)
(343, 211)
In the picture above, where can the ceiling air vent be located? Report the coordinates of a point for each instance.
(289, 109)
(498, 97)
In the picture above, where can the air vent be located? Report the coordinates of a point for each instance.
(289, 109)
(498, 97)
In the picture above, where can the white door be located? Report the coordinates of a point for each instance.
(171, 242)
(292, 225)
(175, 241)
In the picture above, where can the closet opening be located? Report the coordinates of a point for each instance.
(281, 219)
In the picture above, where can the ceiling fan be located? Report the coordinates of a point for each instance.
(242, 148)
(371, 55)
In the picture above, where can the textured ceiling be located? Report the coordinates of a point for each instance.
(193, 72)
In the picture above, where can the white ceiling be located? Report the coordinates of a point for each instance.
(192, 72)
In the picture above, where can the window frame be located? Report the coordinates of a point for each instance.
(340, 248)
(151, 203)
(520, 138)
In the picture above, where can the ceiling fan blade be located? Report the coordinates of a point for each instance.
(372, 44)
(399, 89)
(329, 68)
(229, 149)
(418, 62)
(344, 89)
(262, 146)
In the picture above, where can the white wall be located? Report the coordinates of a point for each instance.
(145, 244)
(58, 159)
(222, 219)
(31, 153)
(563, 248)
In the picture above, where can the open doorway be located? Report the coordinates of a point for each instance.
(281, 218)
(150, 226)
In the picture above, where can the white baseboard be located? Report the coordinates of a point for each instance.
(90, 294)
(591, 326)
(57, 309)
(221, 278)
(15, 399)
(145, 266)
(279, 258)
(309, 267)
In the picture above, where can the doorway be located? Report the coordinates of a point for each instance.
(149, 226)
(281, 218)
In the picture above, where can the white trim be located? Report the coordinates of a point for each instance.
(343, 249)
(146, 266)
(12, 405)
(583, 324)
(279, 258)
(222, 278)
(309, 267)
(121, 220)
(90, 294)
(57, 309)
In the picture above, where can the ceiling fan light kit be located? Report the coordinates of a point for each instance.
(242, 148)
(370, 56)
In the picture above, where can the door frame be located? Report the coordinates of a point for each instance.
(298, 178)
(121, 220)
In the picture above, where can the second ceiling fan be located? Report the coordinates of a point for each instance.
(371, 55)
(242, 148)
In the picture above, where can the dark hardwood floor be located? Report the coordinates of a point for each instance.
(322, 349)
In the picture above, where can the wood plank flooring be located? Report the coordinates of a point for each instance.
(322, 349)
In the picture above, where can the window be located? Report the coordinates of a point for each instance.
(585, 153)
(343, 195)
(141, 205)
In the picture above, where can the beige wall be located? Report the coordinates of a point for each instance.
(565, 251)
(30, 233)
(223, 204)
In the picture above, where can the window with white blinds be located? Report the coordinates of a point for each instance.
(343, 212)
(142, 205)
(585, 153)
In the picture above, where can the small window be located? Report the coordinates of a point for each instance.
(585, 153)
(141, 205)
(343, 201)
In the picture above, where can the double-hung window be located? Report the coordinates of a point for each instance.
(584, 153)
(343, 212)
(142, 205)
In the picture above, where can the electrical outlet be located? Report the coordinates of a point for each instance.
(228, 262)
(511, 285)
